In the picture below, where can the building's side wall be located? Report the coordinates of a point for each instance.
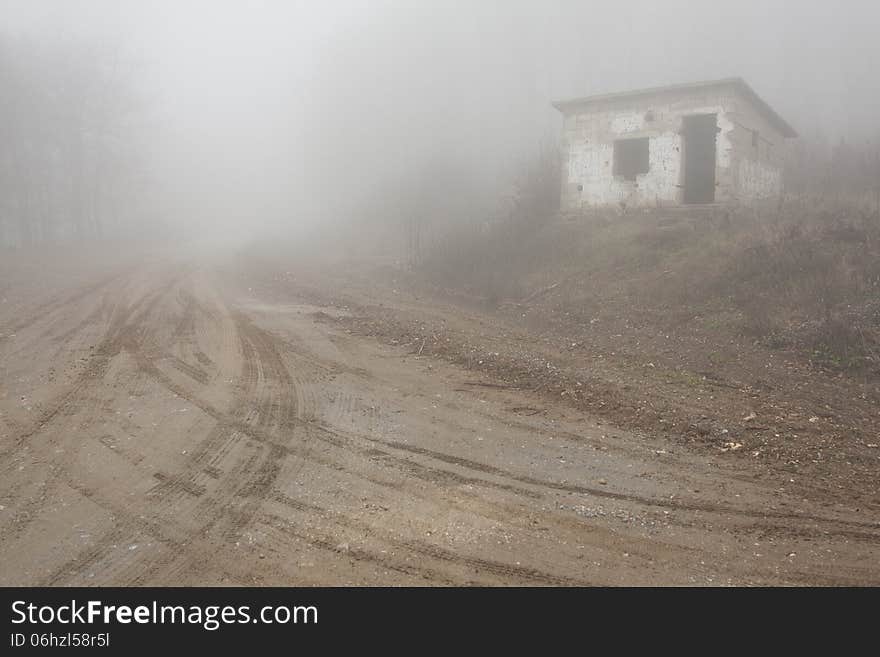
(757, 168)
(588, 146)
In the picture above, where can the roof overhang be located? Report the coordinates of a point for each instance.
(567, 106)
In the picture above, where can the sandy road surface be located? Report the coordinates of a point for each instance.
(159, 424)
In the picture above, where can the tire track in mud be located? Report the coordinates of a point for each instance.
(197, 374)
(129, 333)
(61, 301)
(262, 350)
(229, 497)
(695, 506)
(347, 440)
(231, 473)
(433, 474)
(276, 409)
(212, 498)
(436, 475)
(76, 402)
(854, 528)
(266, 405)
(328, 544)
(119, 332)
(440, 475)
(272, 415)
(637, 499)
(313, 430)
(183, 339)
(506, 571)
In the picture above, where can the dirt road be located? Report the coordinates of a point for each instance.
(162, 424)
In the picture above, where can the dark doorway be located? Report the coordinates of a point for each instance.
(699, 157)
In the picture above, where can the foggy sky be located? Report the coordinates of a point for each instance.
(277, 114)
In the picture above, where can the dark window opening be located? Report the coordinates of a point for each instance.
(631, 157)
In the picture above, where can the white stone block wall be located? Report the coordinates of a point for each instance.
(743, 172)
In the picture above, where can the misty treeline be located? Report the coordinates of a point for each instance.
(71, 142)
(429, 213)
(846, 171)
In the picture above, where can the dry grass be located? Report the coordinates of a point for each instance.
(796, 277)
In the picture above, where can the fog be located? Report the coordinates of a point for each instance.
(261, 119)
(328, 293)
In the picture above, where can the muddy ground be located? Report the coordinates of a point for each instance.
(176, 420)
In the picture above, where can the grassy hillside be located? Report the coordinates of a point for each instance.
(802, 279)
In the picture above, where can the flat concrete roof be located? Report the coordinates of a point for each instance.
(737, 83)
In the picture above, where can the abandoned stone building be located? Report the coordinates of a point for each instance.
(705, 142)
